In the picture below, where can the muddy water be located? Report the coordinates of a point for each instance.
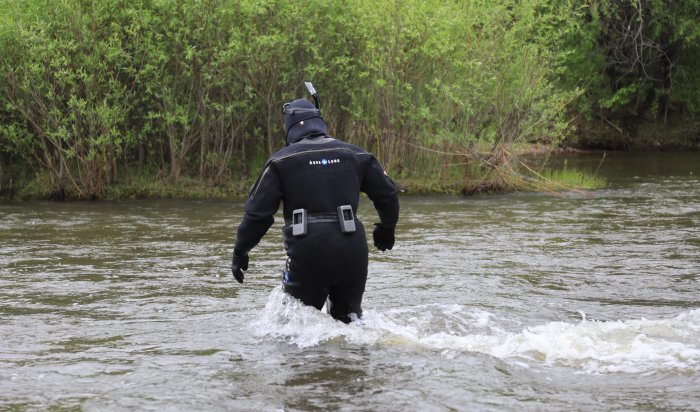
(525, 301)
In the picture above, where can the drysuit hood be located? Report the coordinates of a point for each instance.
(302, 119)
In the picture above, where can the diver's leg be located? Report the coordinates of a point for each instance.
(346, 296)
(344, 302)
(301, 284)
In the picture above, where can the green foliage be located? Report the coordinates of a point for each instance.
(64, 92)
(650, 50)
(93, 92)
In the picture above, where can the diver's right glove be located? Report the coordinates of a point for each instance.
(239, 264)
(383, 237)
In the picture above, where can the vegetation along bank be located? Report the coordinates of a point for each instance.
(160, 98)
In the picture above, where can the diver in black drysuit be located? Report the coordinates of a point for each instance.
(318, 173)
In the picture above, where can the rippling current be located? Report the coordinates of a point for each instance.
(580, 301)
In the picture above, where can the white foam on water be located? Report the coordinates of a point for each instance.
(632, 346)
(288, 319)
(594, 347)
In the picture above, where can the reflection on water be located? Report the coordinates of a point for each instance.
(495, 302)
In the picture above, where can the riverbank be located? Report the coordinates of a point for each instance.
(133, 187)
(526, 168)
(531, 167)
(639, 134)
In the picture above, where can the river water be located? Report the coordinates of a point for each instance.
(582, 301)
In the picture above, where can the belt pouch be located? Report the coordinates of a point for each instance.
(346, 219)
(299, 222)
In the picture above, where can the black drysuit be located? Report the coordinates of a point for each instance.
(319, 174)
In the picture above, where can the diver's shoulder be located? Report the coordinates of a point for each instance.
(282, 153)
(349, 146)
(302, 147)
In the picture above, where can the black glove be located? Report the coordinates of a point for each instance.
(239, 263)
(383, 237)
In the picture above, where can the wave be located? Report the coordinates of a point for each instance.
(593, 347)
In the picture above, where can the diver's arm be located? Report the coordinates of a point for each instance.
(262, 204)
(383, 193)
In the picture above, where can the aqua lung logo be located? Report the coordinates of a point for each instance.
(324, 162)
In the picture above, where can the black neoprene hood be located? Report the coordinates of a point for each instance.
(304, 122)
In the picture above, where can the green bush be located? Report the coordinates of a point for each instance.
(93, 92)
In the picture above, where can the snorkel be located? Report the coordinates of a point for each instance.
(317, 100)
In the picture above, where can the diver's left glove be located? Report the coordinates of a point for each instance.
(239, 264)
(383, 236)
